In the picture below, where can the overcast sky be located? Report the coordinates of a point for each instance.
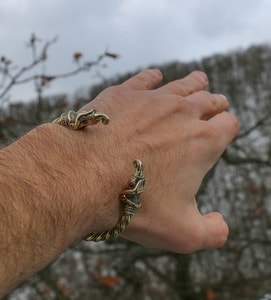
(143, 32)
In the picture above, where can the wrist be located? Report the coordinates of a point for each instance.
(81, 186)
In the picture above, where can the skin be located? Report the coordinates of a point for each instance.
(57, 185)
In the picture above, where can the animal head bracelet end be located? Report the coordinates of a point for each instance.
(78, 120)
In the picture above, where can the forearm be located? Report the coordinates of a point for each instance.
(41, 212)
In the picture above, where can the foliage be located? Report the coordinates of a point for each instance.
(239, 186)
(11, 76)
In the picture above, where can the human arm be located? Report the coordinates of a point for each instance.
(57, 185)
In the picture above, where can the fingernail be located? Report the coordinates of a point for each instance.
(223, 97)
(157, 72)
(203, 76)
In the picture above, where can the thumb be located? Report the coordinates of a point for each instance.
(216, 230)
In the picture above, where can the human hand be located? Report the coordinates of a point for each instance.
(178, 131)
(58, 185)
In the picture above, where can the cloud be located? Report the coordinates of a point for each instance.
(216, 18)
(143, 32)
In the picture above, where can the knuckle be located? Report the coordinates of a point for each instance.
(217, 138)
(186, 89)
(214, 102)
(180, 105)
(212, 137)
(183, 88)
(210, 133)
(153, 73)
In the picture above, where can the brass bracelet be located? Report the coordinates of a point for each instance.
(78, 120)
(130, 196)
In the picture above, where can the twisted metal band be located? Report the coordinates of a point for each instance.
(130, 196)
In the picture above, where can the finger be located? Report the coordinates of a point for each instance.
(145, 80)
(215, 230)
(207, 105)
(193, 82)
(196, 232)
(226, 126)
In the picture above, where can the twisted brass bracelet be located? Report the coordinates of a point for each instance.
(130, 197)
